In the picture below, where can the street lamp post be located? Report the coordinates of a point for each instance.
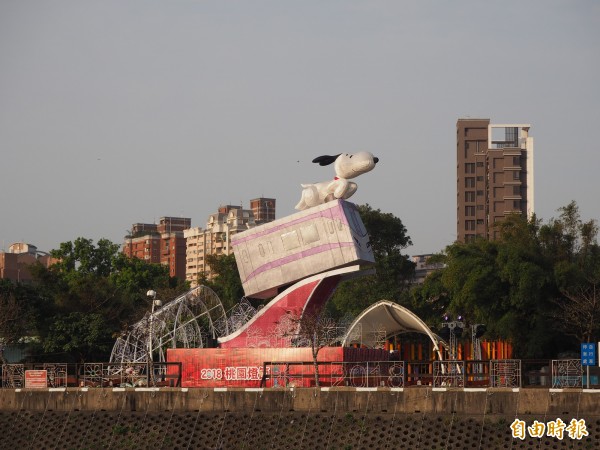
(150, 368)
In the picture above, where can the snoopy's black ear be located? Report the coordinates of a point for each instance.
(325, 160)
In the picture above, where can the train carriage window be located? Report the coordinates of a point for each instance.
(309, 234)
(290, 240)
(330, 227)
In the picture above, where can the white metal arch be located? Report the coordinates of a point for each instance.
(192, 320)
(393, 319)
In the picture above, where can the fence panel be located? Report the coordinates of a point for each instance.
(449, 373)
(567, 373)
(13, 375)
(505, 373)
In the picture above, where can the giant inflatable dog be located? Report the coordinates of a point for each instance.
(347, 166)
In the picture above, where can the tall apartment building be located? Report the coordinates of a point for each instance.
(216, 238)
(162, 243)
(494, 176)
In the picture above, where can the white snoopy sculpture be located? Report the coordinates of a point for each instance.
(347, 166)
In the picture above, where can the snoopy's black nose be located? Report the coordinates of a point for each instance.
(376, 159)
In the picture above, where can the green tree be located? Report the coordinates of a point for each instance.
(95, 286)
(388, 237)
(226, 281)
(430, 300)
(535, 286)
(528, 276)
(506, 284)
(82, 257)
(576, 273)
(87, 337)
(16, 314)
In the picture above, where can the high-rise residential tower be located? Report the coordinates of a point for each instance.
(162, 243)
(494, 175)
(215, 239)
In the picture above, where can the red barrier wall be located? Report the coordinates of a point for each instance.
(243, 367)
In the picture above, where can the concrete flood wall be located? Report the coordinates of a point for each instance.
(505, 402)
(340, 418)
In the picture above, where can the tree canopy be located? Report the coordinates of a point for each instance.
(535, 286)
(394, 271)
(226, 281)
(91, 294)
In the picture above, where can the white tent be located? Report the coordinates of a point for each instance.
(386, 318)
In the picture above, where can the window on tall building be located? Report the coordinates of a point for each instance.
(470, 182)
(469, 167)
(470, 196)
(516, 175)
(469, 147)
(469, 210)
(516, 160)
(480, 178)
(479, 193)
(470, 225)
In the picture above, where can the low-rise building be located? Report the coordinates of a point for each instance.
(423, 267)
(14, 264)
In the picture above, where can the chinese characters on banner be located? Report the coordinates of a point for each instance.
(588, 354)
(555, 428)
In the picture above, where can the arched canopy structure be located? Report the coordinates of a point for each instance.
(189, 321)
(383, 320)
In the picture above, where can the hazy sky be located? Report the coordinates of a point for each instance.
(116, 112)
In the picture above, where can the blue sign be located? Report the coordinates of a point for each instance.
(588, 354)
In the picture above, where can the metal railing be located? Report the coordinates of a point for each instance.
(155, 374)
(508, 373)
(335, 373)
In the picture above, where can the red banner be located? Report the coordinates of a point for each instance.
(243, 367)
